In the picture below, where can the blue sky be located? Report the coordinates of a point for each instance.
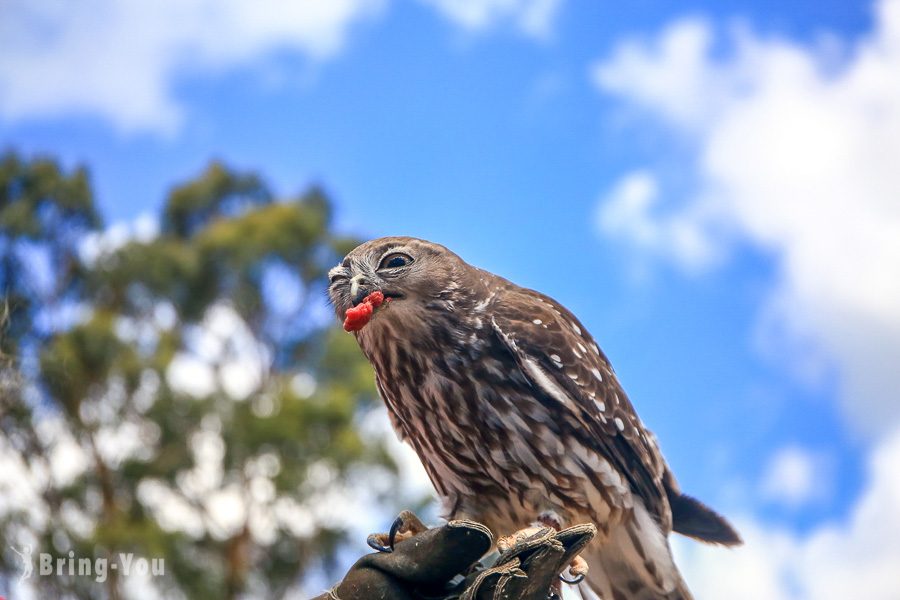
(711, 186)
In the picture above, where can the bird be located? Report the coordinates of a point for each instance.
(515, 411)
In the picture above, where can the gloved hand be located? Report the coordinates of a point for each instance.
(422, 567)
(418, 567)
(529, 566)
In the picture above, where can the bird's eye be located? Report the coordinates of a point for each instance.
(395, 261)
(334, 278)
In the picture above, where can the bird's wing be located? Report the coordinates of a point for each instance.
(559, 357)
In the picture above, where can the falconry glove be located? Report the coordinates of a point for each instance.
(419, 567)
(529, 564)
(436, 564)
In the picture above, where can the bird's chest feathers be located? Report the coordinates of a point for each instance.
(467, 409)
(429, 382)
(453, 400)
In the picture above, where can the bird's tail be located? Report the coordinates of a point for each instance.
(633, 563)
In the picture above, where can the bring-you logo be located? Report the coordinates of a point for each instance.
(125, 563)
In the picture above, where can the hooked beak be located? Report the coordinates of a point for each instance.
(359, 289)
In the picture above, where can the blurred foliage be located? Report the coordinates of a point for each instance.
(44, 212)
(120, 360)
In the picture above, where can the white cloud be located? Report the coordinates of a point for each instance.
(795, 476)
(120, 60)
(533, 17)
(796, 154)
(749, 572)
(626, 213)
(663, 75)
(853, 559)
(859, 558)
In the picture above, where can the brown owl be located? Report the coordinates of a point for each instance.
(515, 411)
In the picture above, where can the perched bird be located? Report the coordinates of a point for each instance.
(515, 411)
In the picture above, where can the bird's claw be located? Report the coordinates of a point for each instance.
(578, 579)
(405, 526)
(578, 568)
(374, 542)
(395, 529)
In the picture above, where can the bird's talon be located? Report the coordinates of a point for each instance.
(578, 579)
(395, 529)
(374, 542)
(578, 568)
(405, 526)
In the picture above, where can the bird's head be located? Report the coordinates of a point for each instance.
(411, 273)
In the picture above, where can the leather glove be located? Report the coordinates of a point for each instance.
(528, 568)
(428, 565)
(417, 568)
